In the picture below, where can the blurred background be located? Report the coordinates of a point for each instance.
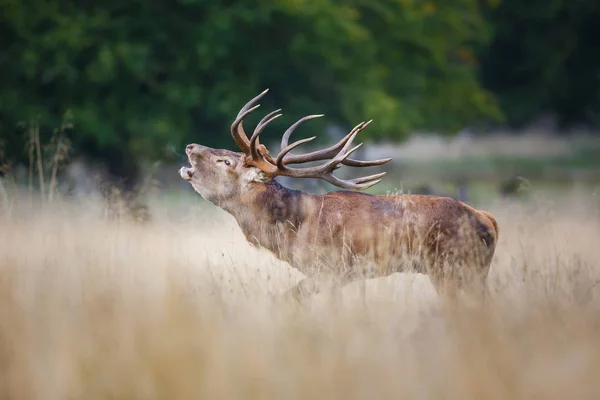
(472, 99)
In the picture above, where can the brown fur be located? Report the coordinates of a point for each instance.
(344, 234)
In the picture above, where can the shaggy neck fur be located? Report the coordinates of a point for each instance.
(269, 215)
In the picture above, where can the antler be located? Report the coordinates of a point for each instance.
(329, 152)
(237, 131)
(258, 155)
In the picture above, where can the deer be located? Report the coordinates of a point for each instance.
(344, 235)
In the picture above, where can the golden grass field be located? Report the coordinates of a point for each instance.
(184, 308)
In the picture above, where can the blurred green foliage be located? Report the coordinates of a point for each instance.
(544, 59)
(141, 77)
(147, 75)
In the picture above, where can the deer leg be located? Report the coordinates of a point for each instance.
(443, 287)
(362, 285)
(471, 283)
(351, 276)
(315, 285)
(303, 289)
(477, 286)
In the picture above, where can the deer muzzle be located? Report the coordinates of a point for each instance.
(186, 173)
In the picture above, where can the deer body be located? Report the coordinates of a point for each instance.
(344, 235)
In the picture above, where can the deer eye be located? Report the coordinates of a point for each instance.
(225, 161)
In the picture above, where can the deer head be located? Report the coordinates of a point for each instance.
(219, 174)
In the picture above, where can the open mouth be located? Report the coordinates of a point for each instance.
(186, 173)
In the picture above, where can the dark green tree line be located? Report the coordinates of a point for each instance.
(544, 59)
(140, 76)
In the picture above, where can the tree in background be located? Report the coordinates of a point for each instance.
(544, 59)
(140, 77)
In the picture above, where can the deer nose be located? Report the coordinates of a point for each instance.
(194, 148)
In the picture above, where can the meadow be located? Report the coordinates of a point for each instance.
(182, 307)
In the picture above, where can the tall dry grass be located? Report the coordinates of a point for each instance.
(184, 308)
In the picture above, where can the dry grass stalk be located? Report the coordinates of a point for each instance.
(184, 308)
(61, 151)
(31, 153)
(40, 167)
(3, 171)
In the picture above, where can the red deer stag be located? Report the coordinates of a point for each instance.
(343, 234)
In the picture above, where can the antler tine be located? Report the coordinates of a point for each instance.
(317, 155)
(263, 122)
(237, 130)
(243, 115)
(368, 178)
(251, 102)
(286, 135)
(329, 152)
(267, 119)
(315, 172)
(358, 163)
(356, 184)
(290, 147)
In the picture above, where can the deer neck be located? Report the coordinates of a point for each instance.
(269, 215)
